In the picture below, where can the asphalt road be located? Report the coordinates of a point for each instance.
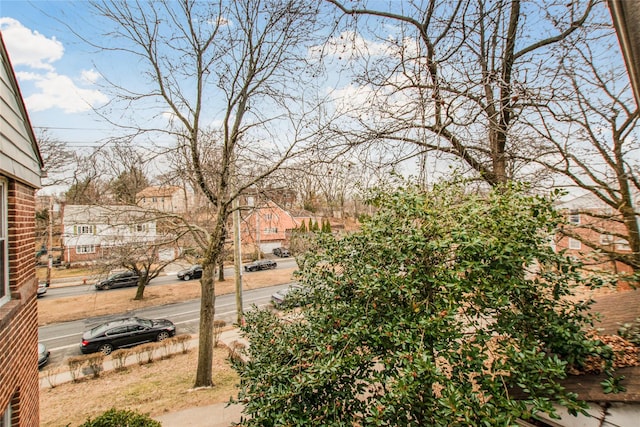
(63, 339)
(69, 291)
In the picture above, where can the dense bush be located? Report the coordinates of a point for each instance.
(448, 308)
(121, 418)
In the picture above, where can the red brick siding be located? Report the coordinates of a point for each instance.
(591, 258)
(19, 317)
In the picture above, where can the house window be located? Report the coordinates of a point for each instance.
(84, 229)
(86, 249)
(574, 217)
(267, 217)
(154, 199)
(4, 246)
(250, 201)
(270, 230)
(606, 239)
(574, 244)
(622, 245)
(140, 228)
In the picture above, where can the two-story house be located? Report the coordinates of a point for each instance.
(89, 231)
(170, 199)
(265, 226)
(594, 233)
(20, 171)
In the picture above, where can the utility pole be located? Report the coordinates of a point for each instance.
(237, 257)
(50, 243)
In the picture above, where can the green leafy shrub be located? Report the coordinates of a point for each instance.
(448, 308)
(121, 418)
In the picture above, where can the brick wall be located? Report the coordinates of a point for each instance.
(19, 317)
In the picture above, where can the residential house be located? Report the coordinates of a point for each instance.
(20, 171)
(171, 199)
(265, 226)
(608, 409)
(593, 229)
(89, 231)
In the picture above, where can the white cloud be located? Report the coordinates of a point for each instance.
(90, 76)
(58, 91)
(28, 47)
(49, 89)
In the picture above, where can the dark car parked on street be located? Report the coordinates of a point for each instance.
(125, 333)
(263, 264)
(193, 272)
(281, 252)
(119, 280)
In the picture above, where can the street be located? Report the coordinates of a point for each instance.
(63, 339)
(69, 291)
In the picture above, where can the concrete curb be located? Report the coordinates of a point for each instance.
(227, 337)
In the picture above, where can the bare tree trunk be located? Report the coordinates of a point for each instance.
(204, 376)
(204, 371)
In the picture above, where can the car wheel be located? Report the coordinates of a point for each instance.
(106, 287)
(105, 349)
(186, 277)
(162, 336)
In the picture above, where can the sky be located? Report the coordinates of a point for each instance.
(61, 77)
(57, 77)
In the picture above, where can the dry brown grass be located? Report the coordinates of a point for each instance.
(118, 301)
(155, 388)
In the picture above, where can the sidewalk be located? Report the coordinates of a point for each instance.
(217, 415)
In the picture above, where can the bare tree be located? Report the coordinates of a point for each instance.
(589, 136)
(229, 76)
(142, 257)
(127, 165)
(87, 183)
(456, 77)
(57, 159)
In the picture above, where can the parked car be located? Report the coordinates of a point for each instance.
(193, 272)
(43, 355)
(263, 264)
(42, 289)
(283, 296)
(281, 252)
(125, 333)
(119, 280)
